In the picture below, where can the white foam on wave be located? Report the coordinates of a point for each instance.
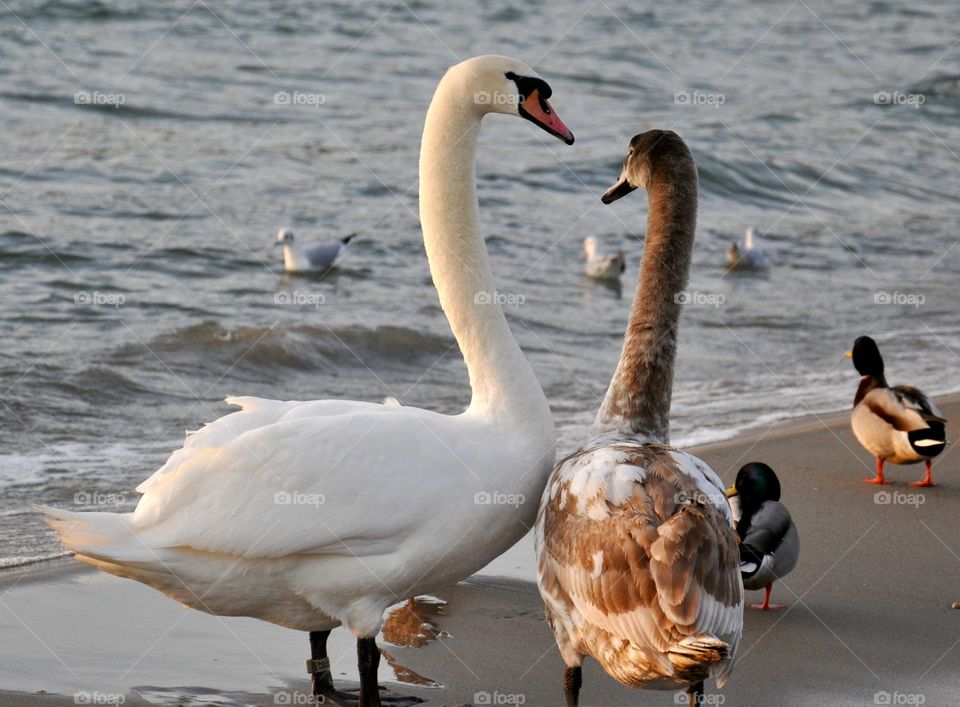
(80, 458)
(10, 562)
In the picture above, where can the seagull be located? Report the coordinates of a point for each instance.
(314, 258)
(600, 266)
(747, 257)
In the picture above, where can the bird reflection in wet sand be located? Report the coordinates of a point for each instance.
(412, 625)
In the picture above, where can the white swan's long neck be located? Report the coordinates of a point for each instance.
(502, 380)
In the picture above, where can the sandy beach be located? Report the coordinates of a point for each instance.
(868, 614)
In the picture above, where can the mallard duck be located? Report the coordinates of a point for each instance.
(749, 257)
(637, 556)
(769, 542)
(317, 257)
(600, 266)
(901, 425)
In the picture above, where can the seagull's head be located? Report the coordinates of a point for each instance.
(284, 236)
(590, 246)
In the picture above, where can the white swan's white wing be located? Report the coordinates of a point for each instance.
(326, 482)
(284, 478)
(253, 413)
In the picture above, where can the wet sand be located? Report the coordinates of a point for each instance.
(868, 614)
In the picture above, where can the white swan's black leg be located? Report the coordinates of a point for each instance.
(368, 660)
(321, 679)
(370, 693)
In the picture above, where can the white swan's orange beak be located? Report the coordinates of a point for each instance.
(538, 110)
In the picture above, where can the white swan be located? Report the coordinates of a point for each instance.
(314, 258)
(750, 257)
(637, 556)
(315, 514)
(602, 267)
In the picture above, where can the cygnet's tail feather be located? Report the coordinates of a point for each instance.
(696, 656)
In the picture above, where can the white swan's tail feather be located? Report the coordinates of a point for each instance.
(98, 536)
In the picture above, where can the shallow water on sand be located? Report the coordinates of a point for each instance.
(148, 165)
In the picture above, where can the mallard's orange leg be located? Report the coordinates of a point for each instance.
(766, 605)
(879, 477)
(926, 480)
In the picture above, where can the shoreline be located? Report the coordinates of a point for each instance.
(780, 426)
(868, 610)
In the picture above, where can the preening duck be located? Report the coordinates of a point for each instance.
(315, 514)
(313, 258)
(637, 556)
(769, 542)
(901, 424)
(600, 266)
(747, 257)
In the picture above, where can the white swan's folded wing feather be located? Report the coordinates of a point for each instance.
(253, 413)
(302, 484)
